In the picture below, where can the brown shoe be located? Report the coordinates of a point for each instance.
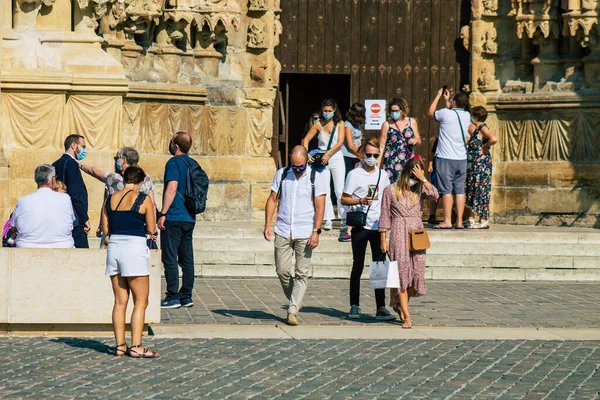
(291, 319)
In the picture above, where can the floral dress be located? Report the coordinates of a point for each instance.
(397, 150)
(399, 217)
(479, 176)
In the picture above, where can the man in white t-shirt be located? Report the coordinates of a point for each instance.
(451, 154)
(301, 194)
(363, 192)
(44, 219)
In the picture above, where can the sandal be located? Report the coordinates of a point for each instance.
(407, 324)
(482, 225)
(119, 352)
(146, 353)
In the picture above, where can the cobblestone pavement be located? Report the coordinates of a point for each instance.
(290, 369)
(472, 303)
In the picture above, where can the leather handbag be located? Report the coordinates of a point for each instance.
(418, 240)
(359, 218)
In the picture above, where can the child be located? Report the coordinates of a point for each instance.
(479, 169)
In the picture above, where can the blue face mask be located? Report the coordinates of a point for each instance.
(327, 115)
(81, 155)
(395, 115)
(118, 166)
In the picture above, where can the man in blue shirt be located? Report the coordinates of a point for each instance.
(177, 225)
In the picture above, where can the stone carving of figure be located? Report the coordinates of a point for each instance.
(258, 5)
(490, 7)
(486, 81)
(88, 13)
(26, 13)
(516, 7)
(257, 35)
(111, 25)
(489, 41)
(537, 7)
(278, 30)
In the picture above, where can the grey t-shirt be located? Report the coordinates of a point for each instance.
(450, 143)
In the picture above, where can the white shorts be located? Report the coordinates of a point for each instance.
(127, 255)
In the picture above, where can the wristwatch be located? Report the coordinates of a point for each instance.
(318, 231)
(424, 180)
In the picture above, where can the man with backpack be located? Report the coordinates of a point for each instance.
(184, 196)
(301, 195)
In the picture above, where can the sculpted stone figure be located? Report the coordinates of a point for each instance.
(88, 13)
(258, 5)
(490, 7)
(26, 13)
(258, 35)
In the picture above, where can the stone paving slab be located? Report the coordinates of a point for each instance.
(448, 304)
(301, 369)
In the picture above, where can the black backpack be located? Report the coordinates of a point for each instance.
(313, 173)
(196, 188)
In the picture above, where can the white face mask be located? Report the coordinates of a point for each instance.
(412, 182)
(371, 161)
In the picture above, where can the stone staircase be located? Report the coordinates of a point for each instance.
(518, 253)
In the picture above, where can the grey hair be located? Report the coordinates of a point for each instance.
(43, 174)
(131, 155)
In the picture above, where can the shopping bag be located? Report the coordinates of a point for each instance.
(384, 274)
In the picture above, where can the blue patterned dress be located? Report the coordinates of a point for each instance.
(479, 176)
(397, 150)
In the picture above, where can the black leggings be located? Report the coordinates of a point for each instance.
(360, 238)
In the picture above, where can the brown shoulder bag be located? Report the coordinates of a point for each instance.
(418, 240)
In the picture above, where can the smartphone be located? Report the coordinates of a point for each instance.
(444, 89)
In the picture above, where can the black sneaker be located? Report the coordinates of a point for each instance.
(187, 302)
(170, 303)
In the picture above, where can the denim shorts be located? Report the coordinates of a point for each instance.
(451, 176)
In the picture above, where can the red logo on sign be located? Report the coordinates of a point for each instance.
(375, 108)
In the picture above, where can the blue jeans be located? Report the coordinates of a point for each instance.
(176, 243)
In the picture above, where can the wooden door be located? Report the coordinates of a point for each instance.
(391, 48)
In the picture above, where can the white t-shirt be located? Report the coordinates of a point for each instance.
(44, 219)
(296, 214)
(450, 143)
(359, 183)
(356, 139)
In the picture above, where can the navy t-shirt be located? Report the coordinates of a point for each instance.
(176, 170)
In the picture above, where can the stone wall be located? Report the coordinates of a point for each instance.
(536, 68)
(130, 74)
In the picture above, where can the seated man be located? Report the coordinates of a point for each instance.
(45, 217)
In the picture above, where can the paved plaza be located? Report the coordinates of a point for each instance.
(447, 304)
(244, 369)
(392, 363)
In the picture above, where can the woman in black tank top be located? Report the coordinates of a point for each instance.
(126, 218)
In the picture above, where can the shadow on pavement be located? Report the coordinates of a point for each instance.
(249, 314)
(335, 313)
(85, 344)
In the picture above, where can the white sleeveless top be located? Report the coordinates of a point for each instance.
(324, 142)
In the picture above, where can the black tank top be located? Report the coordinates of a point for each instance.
(127, 222)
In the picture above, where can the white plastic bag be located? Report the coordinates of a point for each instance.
(384, 274)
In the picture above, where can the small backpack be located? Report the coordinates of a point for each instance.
(196, 189)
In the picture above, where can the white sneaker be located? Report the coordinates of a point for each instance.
(328, 225)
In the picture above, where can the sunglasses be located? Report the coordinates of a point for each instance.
(298, 168)
(369, 155)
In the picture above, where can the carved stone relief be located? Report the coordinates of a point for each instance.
(258, 35)
(26, 13)
(257, 5)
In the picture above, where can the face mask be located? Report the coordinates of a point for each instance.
(327, 115)
(412, 182)
(395, 115)
(81, 155)
(371, 161)
(118, 166)
(172, 148)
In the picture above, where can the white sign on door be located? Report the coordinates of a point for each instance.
(376, 116)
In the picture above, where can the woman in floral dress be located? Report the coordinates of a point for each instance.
(399, 136)
(479, 170)
(402, 212)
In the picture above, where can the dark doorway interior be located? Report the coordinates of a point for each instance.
(302, 95)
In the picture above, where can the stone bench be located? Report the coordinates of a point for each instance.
(63, 289)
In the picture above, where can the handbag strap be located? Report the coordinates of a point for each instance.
(331, 135)
(462, 132)
(376, 190)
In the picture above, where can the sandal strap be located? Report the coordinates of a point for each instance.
(121, 345)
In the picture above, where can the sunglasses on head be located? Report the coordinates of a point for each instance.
(374, 155)
(298, 168)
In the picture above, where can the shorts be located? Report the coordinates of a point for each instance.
(451, 176)
(127, 256)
